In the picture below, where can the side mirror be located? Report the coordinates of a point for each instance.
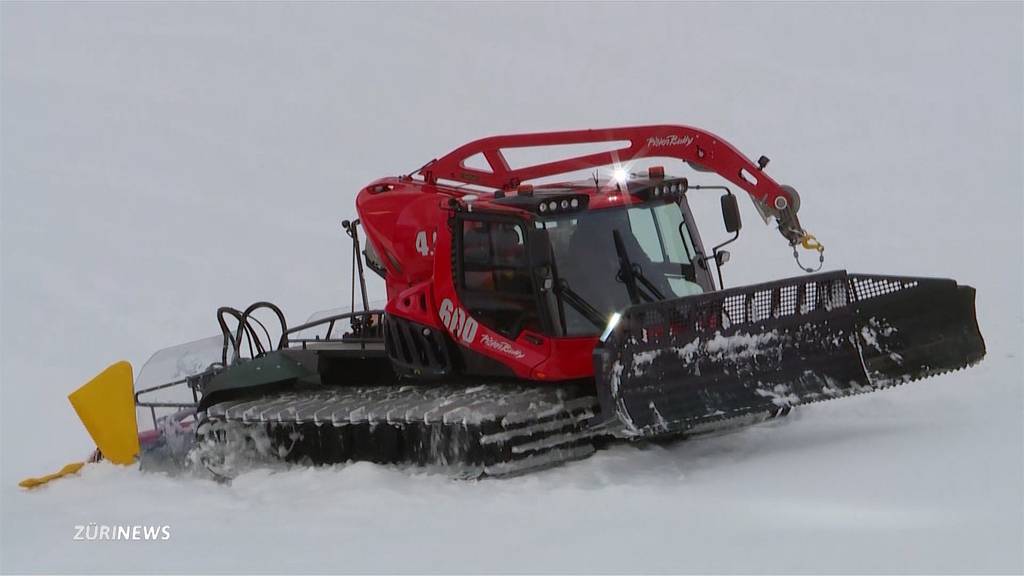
(731, 213)
(721, 257)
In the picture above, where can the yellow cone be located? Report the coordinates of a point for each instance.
(106, 406)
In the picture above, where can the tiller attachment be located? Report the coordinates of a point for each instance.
(678, 366)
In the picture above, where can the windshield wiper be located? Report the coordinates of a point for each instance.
(572, 298)
(629, 273)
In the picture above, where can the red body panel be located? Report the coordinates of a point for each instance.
(406, 220)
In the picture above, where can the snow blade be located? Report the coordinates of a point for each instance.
(677, 366)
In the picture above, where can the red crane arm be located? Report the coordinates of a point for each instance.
(700, 149)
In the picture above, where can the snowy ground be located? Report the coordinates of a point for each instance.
(899, 481)
(159, 161)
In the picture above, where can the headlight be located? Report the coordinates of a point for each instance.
(612, 323)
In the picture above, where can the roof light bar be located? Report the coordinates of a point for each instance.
(673, 188)
(546, 203)
(561, 204)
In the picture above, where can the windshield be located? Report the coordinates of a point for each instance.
(656, 240)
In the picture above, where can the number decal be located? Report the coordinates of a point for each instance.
(422, 246)
(457, 321)
(421, 243)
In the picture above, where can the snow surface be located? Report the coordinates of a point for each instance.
(161, 160)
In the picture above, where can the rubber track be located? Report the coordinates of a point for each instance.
(493, 430)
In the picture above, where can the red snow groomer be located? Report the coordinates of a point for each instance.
(529, 321)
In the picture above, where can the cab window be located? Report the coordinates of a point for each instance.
(494, 277)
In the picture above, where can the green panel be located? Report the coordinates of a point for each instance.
(272, 368)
